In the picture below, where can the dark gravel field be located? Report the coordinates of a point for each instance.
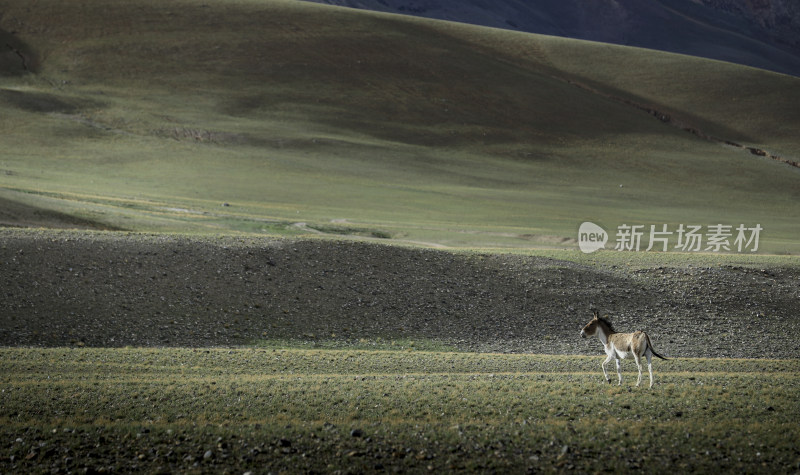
(119, 289)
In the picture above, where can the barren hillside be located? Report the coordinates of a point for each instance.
(129, 289)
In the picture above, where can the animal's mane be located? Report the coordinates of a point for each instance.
(608, 324)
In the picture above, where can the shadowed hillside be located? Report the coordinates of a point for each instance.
(13, 214)
(759, 34)
(15, 56)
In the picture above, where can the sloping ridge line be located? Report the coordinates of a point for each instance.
(670, 120)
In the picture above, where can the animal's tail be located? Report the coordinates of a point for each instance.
(651, 347)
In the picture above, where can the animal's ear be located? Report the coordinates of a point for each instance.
(596, 314)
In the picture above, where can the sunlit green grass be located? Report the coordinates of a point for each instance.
(150, 117)
(441, 410)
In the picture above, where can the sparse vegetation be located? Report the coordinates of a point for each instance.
(203, 126)
(350, 231)
(375, 411)
(364, 370)
(117, 289)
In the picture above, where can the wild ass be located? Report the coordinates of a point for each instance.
(621, 345)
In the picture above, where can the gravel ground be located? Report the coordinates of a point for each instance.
(118, 289)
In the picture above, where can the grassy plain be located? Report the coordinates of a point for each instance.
(284, 118)
(153, 116)
(273, 409)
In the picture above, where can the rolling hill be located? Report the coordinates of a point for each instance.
(760, 34)
(285, 117)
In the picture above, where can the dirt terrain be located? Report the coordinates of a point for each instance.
(119, 289)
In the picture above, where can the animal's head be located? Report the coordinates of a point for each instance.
(591, 328)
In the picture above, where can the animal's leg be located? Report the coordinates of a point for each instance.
(638, 360)
(650, 366)
(619, 372)
(608, 358)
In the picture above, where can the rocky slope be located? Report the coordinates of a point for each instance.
(98, 289)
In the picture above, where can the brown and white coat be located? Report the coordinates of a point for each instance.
(621, 345)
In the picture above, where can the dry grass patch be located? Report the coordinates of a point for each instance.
(322, 410)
